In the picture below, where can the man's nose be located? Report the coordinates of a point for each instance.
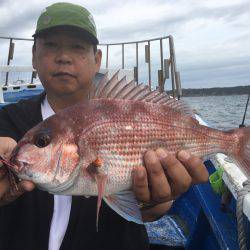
(63, 56)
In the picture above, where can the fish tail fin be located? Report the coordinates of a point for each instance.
(242, 155)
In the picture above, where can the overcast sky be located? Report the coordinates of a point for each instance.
(212, 38)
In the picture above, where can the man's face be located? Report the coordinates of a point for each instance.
(65, 63)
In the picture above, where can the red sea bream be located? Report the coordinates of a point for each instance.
(92, 148)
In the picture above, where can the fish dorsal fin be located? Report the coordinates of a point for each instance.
(148, 95)
(137, 91)
(121, 89)
(109, 86)
(125, 90)
(118, 85)
(96, 91)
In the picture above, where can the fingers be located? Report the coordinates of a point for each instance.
(16, 190)
(166, 176)
(150, 182)
(7, 145)
(178, 177)
(159, 186)
(4, 184)
(195, 167)
(3, 173)
(26, 186)
(140, 184)
(10, 191)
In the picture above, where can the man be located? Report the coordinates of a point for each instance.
(66, 59)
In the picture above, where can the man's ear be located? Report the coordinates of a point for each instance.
(98, 59)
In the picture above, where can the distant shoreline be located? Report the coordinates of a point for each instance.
(238, 90)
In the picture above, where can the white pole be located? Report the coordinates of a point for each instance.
(1, 94)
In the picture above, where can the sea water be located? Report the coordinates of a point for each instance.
(221, 112)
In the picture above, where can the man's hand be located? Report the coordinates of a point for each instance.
(164, 178)
(8, 192)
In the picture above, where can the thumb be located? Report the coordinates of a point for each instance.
(7, 145)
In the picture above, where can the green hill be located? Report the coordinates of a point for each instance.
(238, 90)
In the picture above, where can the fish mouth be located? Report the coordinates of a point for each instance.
(22, 165)
(22, 168)
(25, 172)
(62, 74)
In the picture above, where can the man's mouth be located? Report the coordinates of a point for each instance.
(62, 74)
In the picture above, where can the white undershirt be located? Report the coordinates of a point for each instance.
(62, 203)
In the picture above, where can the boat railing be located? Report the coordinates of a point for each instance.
(143, 57)
(167, 68)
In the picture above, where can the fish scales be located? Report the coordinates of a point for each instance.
(91, 148)
(120, 140)
(128, 129)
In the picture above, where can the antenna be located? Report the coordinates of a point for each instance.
(244, 116)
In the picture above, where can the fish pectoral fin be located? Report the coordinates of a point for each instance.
(93, 168)
(98, 162)
(101, 180)
(126, 205)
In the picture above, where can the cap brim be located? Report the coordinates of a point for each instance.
(88, 36)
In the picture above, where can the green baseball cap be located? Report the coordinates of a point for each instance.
(67, 15)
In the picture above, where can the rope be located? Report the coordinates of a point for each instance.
(240, 216)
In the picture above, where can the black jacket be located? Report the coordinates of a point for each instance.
(25, 223)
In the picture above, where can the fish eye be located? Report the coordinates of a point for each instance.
(42, 140)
